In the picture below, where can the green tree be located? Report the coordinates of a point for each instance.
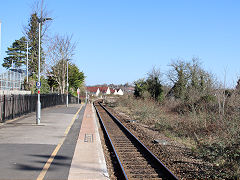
(76, 77)
(190, 80)
(16, 54)
(31, 86)
(52, 83)
(32, 31)
(179, 76)
(154, 85)
(140, 86)
(200, 80)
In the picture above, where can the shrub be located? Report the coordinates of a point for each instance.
(216, 139)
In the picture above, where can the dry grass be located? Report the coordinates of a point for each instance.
(214, 136)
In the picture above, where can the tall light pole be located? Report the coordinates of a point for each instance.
(40, 21)
(0, 37)
(27, 61)
(67, 85)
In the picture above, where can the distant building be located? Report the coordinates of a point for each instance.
(13, 79)
(108, 91)
(120, 92)
(96, 91)
(115, 92)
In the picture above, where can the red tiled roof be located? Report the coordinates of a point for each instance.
(112, 90)
(102, 89)
(92, 89)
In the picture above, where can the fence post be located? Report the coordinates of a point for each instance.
(4, 107)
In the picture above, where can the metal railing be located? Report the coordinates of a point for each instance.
(12, 106)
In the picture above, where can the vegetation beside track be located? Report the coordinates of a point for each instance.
(213, 139)
(196, 110)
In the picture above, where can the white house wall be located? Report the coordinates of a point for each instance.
(120, 92)
(98, 91)
(115, 92)
(108, 91)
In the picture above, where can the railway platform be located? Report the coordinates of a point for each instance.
(88, 160)
(65, 146)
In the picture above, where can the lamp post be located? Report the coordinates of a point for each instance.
(41, 20)
(27, 61)
(0, 37)
(67, 85)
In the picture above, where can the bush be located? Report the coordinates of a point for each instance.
(31, 85)
(225, 155)
(150, 87)
(216, 137)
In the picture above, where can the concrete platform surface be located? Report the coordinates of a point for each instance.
(54, 122)
(88, 160)
(65, 146)
(29, 151)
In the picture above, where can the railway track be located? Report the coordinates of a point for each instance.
(135, 160)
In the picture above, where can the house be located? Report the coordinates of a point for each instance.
(115, 92)
(96, 91)
(120, 92)
(108, 91)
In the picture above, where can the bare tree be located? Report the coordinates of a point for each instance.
(60, 50)
(221, 97)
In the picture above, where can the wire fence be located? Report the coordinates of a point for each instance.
(12, 106)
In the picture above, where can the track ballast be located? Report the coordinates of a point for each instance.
(135, 160)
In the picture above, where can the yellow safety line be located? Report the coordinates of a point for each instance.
(50, 160)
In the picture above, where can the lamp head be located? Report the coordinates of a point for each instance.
(40, 20)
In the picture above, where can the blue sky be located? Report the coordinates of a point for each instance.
(119, 41)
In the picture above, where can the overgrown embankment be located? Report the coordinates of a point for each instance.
(212, 135)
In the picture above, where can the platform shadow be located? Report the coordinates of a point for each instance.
(38, 165)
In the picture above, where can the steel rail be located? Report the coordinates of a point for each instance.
(167, 173)
(112, 146)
